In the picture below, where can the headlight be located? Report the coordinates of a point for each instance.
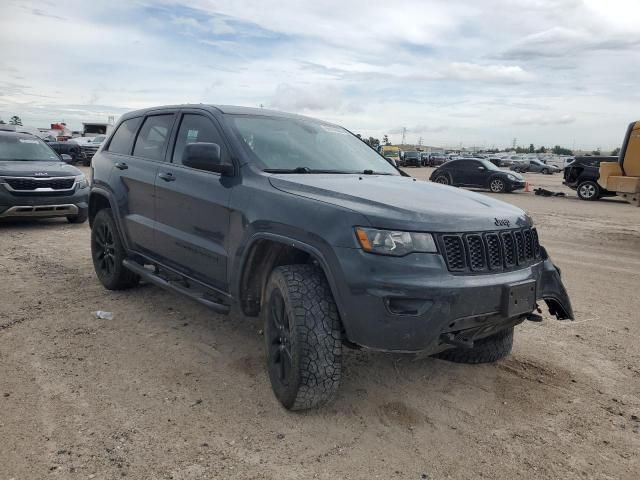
(512, 177)
(82, 182)
(398, 244)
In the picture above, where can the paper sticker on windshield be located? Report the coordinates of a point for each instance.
(27, 140)
(328, 128)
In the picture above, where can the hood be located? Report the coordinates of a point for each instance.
(405, 203)
(43, 169)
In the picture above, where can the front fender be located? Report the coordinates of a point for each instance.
(553, 291)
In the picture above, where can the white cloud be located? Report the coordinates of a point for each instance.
(545, 71)
(318, 98)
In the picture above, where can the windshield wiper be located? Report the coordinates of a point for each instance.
(371, 172)
(302, 170)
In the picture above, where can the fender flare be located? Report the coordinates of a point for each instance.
(99, 191)
(312, 250)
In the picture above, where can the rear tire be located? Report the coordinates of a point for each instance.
(303, 337)
(442, 179)
(486, 350)
(108, 252)
(545, 171)
(589, 191)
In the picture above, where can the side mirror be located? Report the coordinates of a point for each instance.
(205, 156)
(66, 158)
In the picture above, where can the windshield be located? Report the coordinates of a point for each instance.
(289, 144)
(25, 149)
(488, 165)
(411, 154)
(98, 139)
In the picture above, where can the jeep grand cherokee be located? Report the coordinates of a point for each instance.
(299, 222)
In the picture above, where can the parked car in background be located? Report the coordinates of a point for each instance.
(37, 182)
(495, 160)
(535, 166)
(392, 161)
(81, 149)
(66, 148)
(582, 176)
(411, 159)
(437, 160)
(468, 172)
(424, 159)
(88, 147)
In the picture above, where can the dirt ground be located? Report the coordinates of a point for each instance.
(169, 390)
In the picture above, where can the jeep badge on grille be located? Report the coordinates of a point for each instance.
(502, 222)
(41, 174)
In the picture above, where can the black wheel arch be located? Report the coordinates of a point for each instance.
(99, 199)
(444, 173)
(500, 176)
(265, 251)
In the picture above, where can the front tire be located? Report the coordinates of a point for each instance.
(108, 252)
(497, 185)
(588, 191)
(303, 337)
(486, 350)
(81, 217)
(545, 171)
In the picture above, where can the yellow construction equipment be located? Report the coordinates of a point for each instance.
(623, 176)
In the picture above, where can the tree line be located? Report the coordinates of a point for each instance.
(15, 120)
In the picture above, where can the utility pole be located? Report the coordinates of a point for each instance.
(515, 142)
(404, 134)
(420, 141)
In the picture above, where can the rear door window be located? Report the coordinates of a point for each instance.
(122, 141)
(152, 139)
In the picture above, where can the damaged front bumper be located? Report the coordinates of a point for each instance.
(414, 304)
(552, 290)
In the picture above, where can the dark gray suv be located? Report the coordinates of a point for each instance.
(300, 222)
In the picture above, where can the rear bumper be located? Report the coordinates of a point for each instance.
(379, 292)
(25, 206)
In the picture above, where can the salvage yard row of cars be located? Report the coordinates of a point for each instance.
(537, 163)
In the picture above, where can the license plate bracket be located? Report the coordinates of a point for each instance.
(519, 298)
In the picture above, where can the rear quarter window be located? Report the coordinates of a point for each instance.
(122, 140)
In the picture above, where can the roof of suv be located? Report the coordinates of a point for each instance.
(226, 109)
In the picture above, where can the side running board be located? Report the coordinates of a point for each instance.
(194, 294)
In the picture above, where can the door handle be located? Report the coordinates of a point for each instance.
(121, 166)
(167, 177)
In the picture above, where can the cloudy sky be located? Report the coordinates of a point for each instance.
(470, 72)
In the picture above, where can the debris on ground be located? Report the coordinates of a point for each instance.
(548, 193)
(102, 315)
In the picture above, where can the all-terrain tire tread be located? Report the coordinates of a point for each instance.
(317, 331)
(486, 350)
(123, 278)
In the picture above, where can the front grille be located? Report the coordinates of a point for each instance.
(454, 252)
(88, 152)
(490, 251)
(27, 184)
